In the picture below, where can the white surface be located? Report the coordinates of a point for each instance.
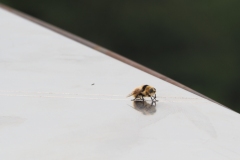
(50, 110)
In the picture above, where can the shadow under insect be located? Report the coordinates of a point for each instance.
(144, 107)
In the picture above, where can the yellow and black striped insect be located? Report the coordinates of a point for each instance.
(143, 91)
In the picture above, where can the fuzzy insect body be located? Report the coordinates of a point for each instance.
(143, 91)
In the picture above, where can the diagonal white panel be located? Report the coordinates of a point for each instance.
(63, 100)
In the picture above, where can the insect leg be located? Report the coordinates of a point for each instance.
(155, 97)
(152, 98)
(134, 99)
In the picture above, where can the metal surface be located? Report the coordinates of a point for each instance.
(63, 100)
(105, 51)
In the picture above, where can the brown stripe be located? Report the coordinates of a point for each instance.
(144, 87)
(105, 51)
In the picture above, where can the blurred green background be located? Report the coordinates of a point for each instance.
(193, 42)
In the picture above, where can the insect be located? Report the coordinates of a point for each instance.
(143, 91)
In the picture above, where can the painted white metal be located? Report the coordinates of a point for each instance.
(62, 100)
